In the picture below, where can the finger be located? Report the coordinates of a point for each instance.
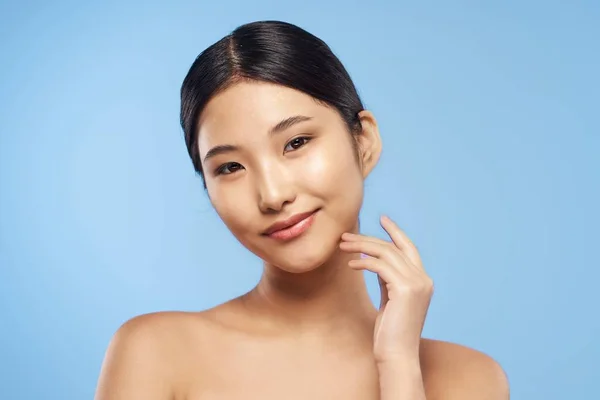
(401, 240)
(354, 237)
(384, 271)
(385, 251)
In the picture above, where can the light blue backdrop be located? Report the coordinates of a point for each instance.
(489, 114)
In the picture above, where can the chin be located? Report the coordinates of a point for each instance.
(303, 258)
(300, 266)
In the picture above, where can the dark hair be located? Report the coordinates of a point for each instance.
(268, 51)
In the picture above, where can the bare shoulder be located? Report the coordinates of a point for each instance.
(452, 371)
(146, 355)
(153, 335)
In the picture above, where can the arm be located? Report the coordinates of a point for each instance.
(453, 372)
(134, 366)
(401, 380)
(406, 291)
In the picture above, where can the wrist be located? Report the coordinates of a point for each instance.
(399, 359)
(401, 378)
(399, 364)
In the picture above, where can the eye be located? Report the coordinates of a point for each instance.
(228, 168)
(296, 143)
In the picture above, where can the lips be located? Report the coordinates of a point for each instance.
(291, 227)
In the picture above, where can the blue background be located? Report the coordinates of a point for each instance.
(489, 115)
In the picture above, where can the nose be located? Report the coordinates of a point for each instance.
(275, 189)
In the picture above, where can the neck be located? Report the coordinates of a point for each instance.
(330, 298)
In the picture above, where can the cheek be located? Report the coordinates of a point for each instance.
(333, 173)
(333, 163)
(233, 210)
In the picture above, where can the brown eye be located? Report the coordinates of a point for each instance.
(228, 168)
(296, 143)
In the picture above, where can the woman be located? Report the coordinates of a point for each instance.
(276, 129)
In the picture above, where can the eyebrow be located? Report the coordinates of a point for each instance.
(221, 149)
(279, 127)
(288, 123)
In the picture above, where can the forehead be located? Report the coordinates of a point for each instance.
(253, 108)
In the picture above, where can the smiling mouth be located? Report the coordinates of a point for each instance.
(292, 227)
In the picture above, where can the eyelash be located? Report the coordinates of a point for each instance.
(305, 139)
(221, 170)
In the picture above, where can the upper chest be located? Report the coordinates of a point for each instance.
(290, 382)
(245, 371)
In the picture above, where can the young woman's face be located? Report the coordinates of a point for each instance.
(259, 173)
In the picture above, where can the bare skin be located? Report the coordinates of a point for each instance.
(308, 330)
(222, 353)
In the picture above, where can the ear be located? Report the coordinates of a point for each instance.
(369, 142)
